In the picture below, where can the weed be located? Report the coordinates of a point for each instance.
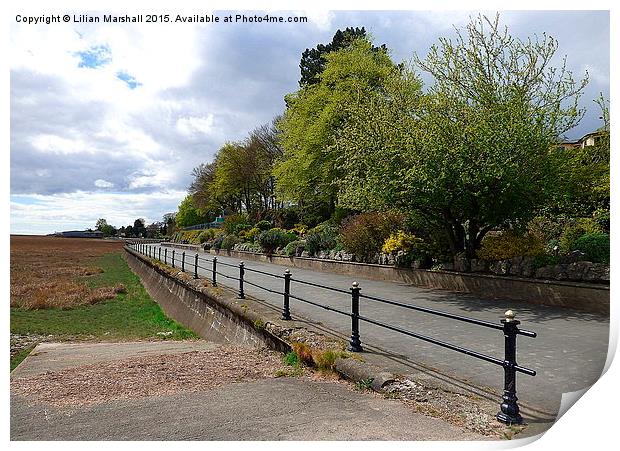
(304, 352)
(292, 359)
(21, 355)
(259, 324)
(289, 372)
(364, 384)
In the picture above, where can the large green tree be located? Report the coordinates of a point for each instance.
(188, 214)
(316, 114)
(473, 153)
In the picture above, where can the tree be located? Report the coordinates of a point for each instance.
(139, 230)
(316, 114)
(103, 226)
(188, 214)
(475, 152)
(313, 61)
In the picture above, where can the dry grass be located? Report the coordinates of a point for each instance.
(48, 272)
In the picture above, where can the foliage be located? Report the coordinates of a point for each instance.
(314, 116)
(188, 214)
(323, 237)
(274, 238)
(217, 243)
(294, 248)
(364, 234)
(206, 235)
(229, 242)
(400, 241)
(542, 260)
(472, 154)
(300, 229)
(304, 352)
(252, 234)
(508, 245)
(232, 221)
(292, 359)
(595, 246)
(575, 229)
(263, 225)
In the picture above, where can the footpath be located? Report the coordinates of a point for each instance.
(568, 354)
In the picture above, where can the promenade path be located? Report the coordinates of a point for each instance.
(569, 353)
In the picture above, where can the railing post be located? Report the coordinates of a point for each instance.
(196, 266)
(173, 258)
(183, 261)
(166, 256)
(509, 412)
(159, 254)
(241, 273)
(286, 311)
(214, 281)
(355, 345)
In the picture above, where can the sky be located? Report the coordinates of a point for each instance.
(108, 120)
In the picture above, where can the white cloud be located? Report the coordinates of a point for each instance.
(59, 144)
(39, 214)
(190, 126)
(103, 183)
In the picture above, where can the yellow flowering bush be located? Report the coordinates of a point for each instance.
(508, 245)
(400, 241)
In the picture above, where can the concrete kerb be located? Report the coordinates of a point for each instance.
(280, 335)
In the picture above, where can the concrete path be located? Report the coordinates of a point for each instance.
(568, 354)
(294, 408)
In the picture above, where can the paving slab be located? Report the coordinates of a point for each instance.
(295, 408)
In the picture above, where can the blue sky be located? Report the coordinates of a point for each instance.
(109, 120)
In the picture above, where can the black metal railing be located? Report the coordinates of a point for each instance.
(509, 408)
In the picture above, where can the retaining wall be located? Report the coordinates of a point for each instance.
(210, 312)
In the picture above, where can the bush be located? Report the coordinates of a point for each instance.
(295, 248)
(250, 235)
(263, 225)
(323, 237)
(229, 242)
(231, 222)
(545, 260)
(363, 235)
(508, 245)
(578, 228)
(206, 235)
(274, 238)
(595, 246)
(217, 243)
(400, 241)
(240, 228)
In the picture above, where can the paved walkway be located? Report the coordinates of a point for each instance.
(303, 409)
(568, 354)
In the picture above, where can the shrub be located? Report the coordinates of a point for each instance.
(231, 222)
(323, 237)
(274, 238)
(263, 225)
(241, 228)
(295, 248)
(508, 245)
(400, 241)
(229, 241)
(206, 235)
(578, 228)
(363, 235)
(292, 359)
(217, 243)
(595, 246)
(300, 229)
(250, 235)
(545, 260)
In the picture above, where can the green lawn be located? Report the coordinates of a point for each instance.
(132, 315)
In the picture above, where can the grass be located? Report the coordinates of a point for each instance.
(129, 315)
(20, 356)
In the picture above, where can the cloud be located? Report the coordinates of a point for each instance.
(100, 183)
